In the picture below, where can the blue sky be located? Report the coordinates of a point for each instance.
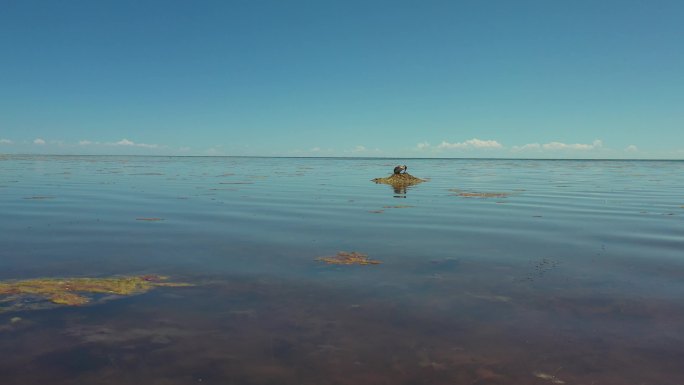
(531, 79)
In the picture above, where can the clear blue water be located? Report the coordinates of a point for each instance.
(576, 274)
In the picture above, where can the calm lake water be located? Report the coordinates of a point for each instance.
(573, 272)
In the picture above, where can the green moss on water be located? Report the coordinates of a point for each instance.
(74, 291)
(347, 258)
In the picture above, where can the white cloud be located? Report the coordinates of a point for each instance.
(527, 147)
(358, 150)
(472, 143)
(123, 143)
(576, 146)
(558, 146)
(423, 145)
(322, 151)
(39, 141)
(5, 141)
(631, 148)
(214, 151)
(130, 143)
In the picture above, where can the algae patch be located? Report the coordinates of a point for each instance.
(346, 258)
(473, 194)
(399, 180)
(76, 291)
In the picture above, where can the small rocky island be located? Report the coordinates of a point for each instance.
(400, 178)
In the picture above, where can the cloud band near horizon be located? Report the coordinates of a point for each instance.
(469, 146)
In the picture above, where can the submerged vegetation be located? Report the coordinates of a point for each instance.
(346, 258)
(73, 291)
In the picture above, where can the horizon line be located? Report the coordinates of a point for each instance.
(338, 157)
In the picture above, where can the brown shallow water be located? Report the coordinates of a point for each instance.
(574, 277)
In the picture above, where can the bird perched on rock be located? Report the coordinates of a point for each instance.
(399, 169)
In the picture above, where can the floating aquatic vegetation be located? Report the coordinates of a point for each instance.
(399, 180)
(346, 258)
(473, 194)
(73, 291)
(152, 219)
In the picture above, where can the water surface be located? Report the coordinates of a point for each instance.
(573, 272)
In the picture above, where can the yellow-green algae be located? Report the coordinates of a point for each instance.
(346, 258)
(71, 291)
(399, 180)
(469, 194)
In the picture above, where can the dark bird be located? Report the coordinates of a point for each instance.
(399, 169)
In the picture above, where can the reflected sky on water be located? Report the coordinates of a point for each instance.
(493, 271)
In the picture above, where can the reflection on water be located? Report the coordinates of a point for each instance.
(574, 277)
(400, 191)
(399, 181)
